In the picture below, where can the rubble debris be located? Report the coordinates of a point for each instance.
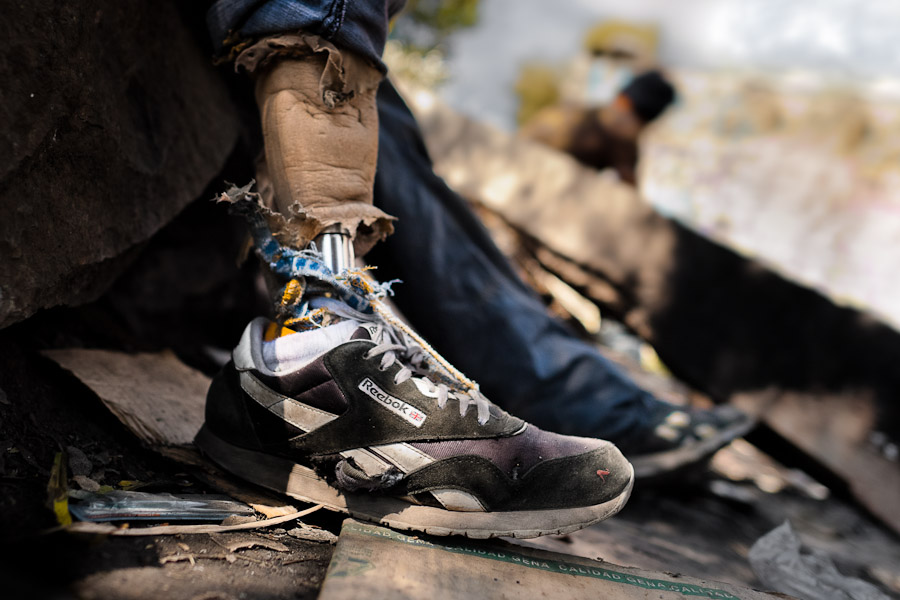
(177, 558)
(783, 564)
(833, 429)
(312, 534)
(86, 483)
(119, 505)
(581, 309)
(882, 443)
(238, 520)
(161, 401)
(79, 463)
(741, 461)
(57, 490)
(233, 543)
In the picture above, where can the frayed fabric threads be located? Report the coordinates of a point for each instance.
(352, 286)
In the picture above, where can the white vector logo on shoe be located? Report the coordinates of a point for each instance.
(409, 413)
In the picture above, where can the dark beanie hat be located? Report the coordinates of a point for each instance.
(649, 94)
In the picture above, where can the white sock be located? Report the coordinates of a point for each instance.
(296, 350)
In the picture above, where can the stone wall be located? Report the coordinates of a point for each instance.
(112, 119)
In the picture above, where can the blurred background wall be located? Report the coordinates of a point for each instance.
(834, 41)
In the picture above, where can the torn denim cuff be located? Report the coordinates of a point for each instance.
(357, 26)
(261, 53)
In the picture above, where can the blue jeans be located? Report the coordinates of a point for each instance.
(459, 291)
(462, 295)
(353, 25)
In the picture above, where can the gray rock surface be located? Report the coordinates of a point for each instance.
(112, 120)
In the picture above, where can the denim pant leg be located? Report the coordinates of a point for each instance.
(460, 292)
(357, 25)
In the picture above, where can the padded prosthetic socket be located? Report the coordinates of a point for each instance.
(320, 126)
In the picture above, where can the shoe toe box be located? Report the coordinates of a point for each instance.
(594, 477)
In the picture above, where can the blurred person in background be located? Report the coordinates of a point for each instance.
(606, 136)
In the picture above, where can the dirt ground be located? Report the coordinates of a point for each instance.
(701, 525)
(176, 295)
(46, 410)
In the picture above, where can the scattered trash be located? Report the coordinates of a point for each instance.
(161, 400)
(733, 492)
(582, 309)
(239, 520)
(86, 483)
(130, 485)
(178, 558)
(79, 463)
(269, 505)
(313, 534)
(881, 442)
(57, 490)
(192, 558)
(233, 543)
(106, 529)
(119, 505)
(782, 563)
(743, 462)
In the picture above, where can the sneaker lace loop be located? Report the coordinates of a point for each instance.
(411, 359)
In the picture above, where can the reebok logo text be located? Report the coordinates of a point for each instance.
(397, 406)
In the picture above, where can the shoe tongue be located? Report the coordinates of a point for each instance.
(365, 331)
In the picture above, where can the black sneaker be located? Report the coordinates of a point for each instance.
(683, 438)
(349, 416)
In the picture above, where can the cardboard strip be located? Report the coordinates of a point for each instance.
(396, 565)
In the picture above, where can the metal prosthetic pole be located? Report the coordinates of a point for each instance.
(336, 247)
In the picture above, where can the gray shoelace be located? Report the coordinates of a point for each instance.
(403, 347)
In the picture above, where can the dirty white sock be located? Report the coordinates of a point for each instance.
(291, 352)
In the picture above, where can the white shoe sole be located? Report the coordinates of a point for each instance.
(286, 477)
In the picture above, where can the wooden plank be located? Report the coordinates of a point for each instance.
(836, 431)
(392, 565)
(159, 398)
